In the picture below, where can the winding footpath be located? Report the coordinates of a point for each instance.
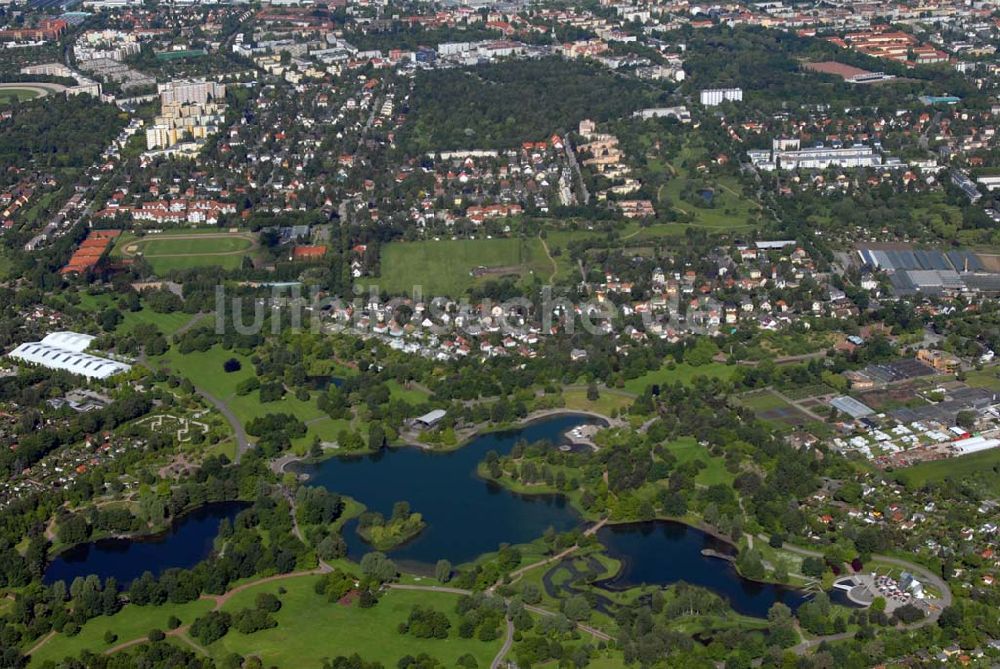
(242, 440)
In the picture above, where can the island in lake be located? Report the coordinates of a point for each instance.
(384, 534)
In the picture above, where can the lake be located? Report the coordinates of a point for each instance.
(663, 552)
(466, 515)
(185, 544)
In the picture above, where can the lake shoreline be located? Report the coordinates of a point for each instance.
(280, 465)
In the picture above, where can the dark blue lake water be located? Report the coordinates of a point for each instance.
(664, 552)
(185, 544)
(466, 515)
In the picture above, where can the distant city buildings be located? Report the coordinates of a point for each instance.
(712, 97)
(787, 154)
(190, 92)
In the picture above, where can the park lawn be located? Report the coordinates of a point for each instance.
(411, 395)
(958, 468)
(310, 629)
(444, 268)
(683, 373)
(731, 210)
(131, 622)
(5, 265)
(165, 323)
(605, 404)
(204, 369)
(687, 449)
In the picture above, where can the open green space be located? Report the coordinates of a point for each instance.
(687, 449)
(763, 400)
(9, 95)
(607, 402)
(682, 373)
(957, 468)
(167, 323)
(204, 369)
(449, 267)
(131, 622)
(310, 629)
(185, 249)
(725, 209)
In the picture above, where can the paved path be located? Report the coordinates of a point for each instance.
(242, 441)
(508, 641)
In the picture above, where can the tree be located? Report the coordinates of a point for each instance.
(592, 393)
(378, 567)
(442, 571)
(231, 365)
(966, 419)
(577, 608)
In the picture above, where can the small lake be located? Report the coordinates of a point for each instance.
(466, 516)
(664, 552)
(187, 542)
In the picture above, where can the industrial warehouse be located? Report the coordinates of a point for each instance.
(932, 272)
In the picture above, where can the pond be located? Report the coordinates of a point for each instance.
(707, 195)
(185, 544)
(323, 381)
(663, 553)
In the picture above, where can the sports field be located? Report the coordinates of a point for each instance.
(186, 249)
(8, 95)
(450, 267)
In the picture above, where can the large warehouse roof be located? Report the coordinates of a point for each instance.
(71, 341)
(63, 350)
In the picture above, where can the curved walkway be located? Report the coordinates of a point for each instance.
(242, 441)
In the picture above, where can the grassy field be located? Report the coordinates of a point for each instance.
(730, 210)
(9, 95)
(165, 323)
(310, 629)
(445, 267)
(204, 368)
(686, 449)
(957, 468)
(605, 404)
(410, 395)
(185, 249)
(683, 373)
(131, 622)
